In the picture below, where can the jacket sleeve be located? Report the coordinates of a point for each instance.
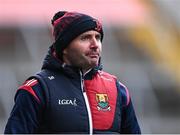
(129, 123)
(26, 113)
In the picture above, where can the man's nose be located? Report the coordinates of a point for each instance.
(94, 43)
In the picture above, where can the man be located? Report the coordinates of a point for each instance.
(71, 94)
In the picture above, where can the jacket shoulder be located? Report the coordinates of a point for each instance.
(106, 74)
(30, 86)
(34, 87)
(124, 93)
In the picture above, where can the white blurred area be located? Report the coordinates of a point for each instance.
(141, 47)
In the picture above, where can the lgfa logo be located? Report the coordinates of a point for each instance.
(67, 102)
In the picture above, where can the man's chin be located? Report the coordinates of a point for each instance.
(94, 63)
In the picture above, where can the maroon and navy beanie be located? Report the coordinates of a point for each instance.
(69, 25)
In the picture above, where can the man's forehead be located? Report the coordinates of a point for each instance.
(91, 32)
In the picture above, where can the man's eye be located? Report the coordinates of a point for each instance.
(84, 37)
(98, 37)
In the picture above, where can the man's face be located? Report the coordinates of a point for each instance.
(84, 51)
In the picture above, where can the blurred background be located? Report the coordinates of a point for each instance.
(141, 47)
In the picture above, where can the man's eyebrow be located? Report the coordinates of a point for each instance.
(98, 34)
(86, 34)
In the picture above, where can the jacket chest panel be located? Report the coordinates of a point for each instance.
(102, 95)
(67, 107)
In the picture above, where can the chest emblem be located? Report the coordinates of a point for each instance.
(102, 102)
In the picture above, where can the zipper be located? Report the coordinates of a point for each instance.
(87, 104)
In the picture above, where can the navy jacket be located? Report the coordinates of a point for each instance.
(59, 99)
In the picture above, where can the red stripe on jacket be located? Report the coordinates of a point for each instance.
(27, 86)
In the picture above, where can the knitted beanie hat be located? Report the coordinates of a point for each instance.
(69, 25)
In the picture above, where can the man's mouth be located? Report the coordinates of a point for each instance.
(93, 55)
